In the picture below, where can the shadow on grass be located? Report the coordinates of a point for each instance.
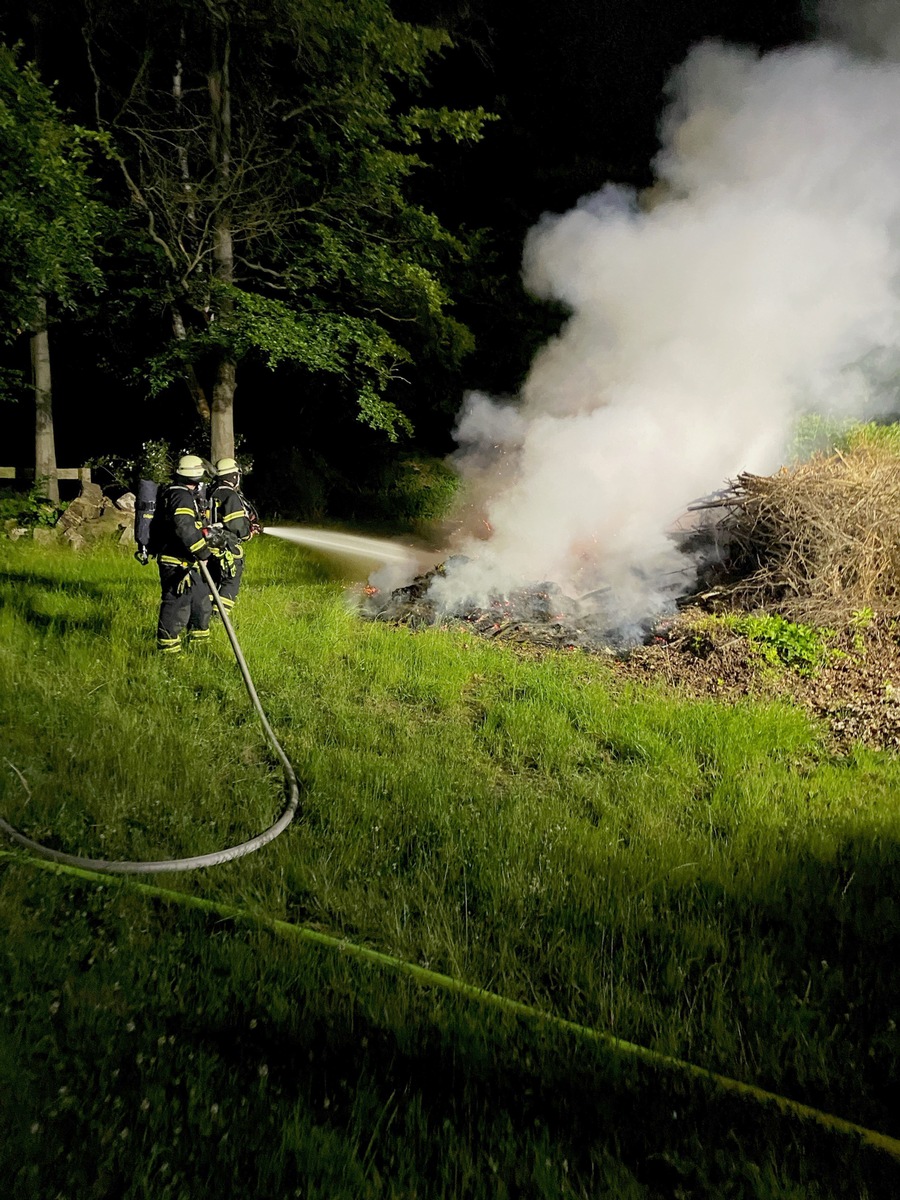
(797, 974)
(31, 597)
(206, 1051)
(835, 930)
(52, 583)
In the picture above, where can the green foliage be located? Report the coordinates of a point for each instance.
(336, 268)
(817, 434)
(461, 126)
(32, 508)
(862, 618)
(356, 349)
(418, 489)
(13, 385)
(49, 221)
(10, 504)
(155, 461)
(783, 643)
(873, 434)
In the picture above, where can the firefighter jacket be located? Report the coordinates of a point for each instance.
(182, 541)
(226, 507)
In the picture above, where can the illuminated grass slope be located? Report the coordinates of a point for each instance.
(702, 880)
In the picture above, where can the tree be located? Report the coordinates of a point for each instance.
(49, 227)
(266, 150)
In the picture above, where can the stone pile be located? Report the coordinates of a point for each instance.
(91, 515)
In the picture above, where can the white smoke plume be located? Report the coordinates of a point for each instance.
(757, 280)
(871, 27)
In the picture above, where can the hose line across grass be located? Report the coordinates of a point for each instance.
(424, 977)
(217, 857)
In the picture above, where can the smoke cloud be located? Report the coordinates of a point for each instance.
(871, 27)
(757, 280)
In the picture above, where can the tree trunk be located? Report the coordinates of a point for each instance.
(222, 430)
(44, 444)
(196, 389)
(222, 425)
(184, 166)
(198, 395)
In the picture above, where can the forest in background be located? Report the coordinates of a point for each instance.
(308, 216)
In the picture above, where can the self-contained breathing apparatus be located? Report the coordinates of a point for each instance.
(148, 523)
(146, 536)
(149, 532)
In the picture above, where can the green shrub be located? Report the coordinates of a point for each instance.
(419, 489)
(31, 508)
(783, 643)
(824, 435)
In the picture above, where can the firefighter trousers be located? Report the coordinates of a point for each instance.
(227, 588)
(185, 602)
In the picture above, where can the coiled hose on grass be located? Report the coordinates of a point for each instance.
(199, 860)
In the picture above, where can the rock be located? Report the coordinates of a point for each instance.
(19, 532)
(87, 507)
(74, 538)
(91, 493)
(126, 503)
(44, 536)
(127, 538)
(111, 522)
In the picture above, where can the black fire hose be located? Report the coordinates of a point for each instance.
(200, 860)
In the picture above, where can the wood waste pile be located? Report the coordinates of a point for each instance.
(815, 542)
(819, 545)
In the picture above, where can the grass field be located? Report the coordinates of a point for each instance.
(702, 880)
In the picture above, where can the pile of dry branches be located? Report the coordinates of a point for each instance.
(817, 541)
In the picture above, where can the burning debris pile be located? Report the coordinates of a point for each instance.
(815, 542)
(540, 615)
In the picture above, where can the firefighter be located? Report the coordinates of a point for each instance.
(229, 509)
(182, 544)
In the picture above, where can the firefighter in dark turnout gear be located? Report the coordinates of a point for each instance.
(185, 600)
(229, 509)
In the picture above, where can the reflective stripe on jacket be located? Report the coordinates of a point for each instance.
(226, 506)
(183, 541)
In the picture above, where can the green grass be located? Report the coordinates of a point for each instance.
(701, 879)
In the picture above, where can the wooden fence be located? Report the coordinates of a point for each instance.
(82, 473)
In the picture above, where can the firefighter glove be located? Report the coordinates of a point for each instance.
(142, 556)
(227, 564)
(186, 582)
(215, 537)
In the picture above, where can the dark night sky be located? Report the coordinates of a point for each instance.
(579, 84)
